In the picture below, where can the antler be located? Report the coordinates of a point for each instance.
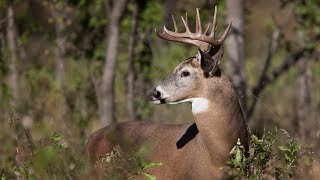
(199, 39)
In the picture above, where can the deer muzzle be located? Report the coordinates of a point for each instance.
(156, 96)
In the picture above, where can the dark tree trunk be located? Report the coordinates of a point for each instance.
(169, 8)
(235, 50)
(12, 43)
(210, 3)
(131, 74)
(106, 99)
(143, 82)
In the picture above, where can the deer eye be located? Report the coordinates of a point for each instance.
(185, 74)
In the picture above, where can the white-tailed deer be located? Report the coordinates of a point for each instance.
(186, 151)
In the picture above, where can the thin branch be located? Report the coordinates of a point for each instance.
(290, 61)
(273, 44)
(272, 47)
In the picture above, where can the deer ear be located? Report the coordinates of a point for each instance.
(207, 63)
(218, 56)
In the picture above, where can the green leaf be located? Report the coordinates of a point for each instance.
(149, 177)
(256, 139)
(152, 164)
(284, 148)
(238, 156)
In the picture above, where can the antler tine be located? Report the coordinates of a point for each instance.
(174, 24)
(198, 22)
(187, 19)
(225, 33)
(214, 22)
(205, 32)
(185, 23)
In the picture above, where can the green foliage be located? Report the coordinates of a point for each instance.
(152, 15)
(143, 164)
(239, 161)
(139, 159)
(120, 165)
(5, 3)
(56, 141)
(274, 155)
(99, 19)
(53, 160)
(308, 18)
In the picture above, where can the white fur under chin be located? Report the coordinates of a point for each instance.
(156, 102)
(199, 105)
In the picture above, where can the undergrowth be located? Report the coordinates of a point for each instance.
(120, 165)
(275, 155)
(51, 159)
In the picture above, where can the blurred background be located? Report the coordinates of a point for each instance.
(70, 67)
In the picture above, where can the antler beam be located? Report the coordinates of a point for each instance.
(199, 39)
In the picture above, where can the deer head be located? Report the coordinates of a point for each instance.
(189, 80)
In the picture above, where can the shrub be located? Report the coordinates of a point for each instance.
(52, 159)
(274, 155)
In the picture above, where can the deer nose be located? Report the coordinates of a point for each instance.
(155, 94)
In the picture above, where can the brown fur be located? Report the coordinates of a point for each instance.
(186, 151)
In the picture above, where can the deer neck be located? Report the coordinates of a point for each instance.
(219, 120)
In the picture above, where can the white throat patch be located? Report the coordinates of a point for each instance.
(199, 105)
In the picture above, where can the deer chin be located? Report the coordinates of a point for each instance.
(158, 101)
(166, 101)
(199, 105)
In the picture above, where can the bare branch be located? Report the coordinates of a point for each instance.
(289, 61)
(272, 47)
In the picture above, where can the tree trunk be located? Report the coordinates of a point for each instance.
(60, 22)
(131, 74)
(60, 49)
(24, 146)
(2, 68)
(12, 43)
(107, 104)
(169, 7)
(60, 53)
(305, 121)
(235, 50)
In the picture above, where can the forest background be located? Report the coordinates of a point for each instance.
(70, 67)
